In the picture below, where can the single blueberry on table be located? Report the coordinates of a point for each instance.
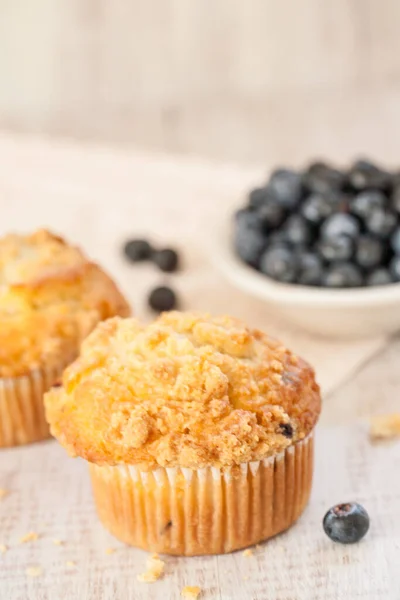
(321, 178)
(286, 186)
(137, 250)
(336, 248)
(167, 260)
(162, 299)
(369, 251)
(278, 262)
(379, 276)
(343, 275)
(340, 224)
(363, 204)
(346, 523)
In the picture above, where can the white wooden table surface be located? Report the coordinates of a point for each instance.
(98, 197)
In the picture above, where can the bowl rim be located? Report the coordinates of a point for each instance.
(261, 285)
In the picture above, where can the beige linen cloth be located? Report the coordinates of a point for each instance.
(99, 197)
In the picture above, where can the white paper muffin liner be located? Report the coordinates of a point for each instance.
(22, 416)
(204, 511)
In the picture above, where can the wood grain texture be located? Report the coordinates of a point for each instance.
(50, 494)
(98, 196)
(222, 78)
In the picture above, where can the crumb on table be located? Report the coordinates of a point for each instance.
(3, 548)
(70, 563)
(191, 592)
(385, 426)
(34, 571)
(155, 570)
(32, 536)
(3, 493)
(248, 552)
(110, 550)
(57, 542)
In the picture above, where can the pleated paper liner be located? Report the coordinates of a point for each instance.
(205, 511)
(22, 416)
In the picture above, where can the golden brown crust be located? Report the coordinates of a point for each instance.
(188, 390)
(51, 297)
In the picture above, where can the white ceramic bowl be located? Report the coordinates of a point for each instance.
(342, 313)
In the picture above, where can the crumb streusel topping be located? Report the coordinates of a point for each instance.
(188, 390)
(51, 297)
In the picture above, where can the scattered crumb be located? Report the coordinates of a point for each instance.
(34, 571)
(248, 552)
(385, 426)
(70, 563)
(246, 577)
(3, 548)
(110, 550)
(57, 542)
(3, 493)
(191, 592)
(155, 570)
(32, 536)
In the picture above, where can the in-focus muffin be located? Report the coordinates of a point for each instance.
(51, 297)
(198, 431)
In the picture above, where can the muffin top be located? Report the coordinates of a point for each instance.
(188, 390)
(51, 297)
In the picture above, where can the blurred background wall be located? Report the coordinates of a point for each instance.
(242, 80)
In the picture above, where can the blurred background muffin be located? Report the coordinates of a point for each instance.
(51, 297)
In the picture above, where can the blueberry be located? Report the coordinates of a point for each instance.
(321, 178)
(277, 237)
(137, 250)
(278, 262)
(336, 248)
(298, 231)
(395, 241)
(317, 207)
(271, 213)
(247, 218)
(346, 523)
(369, 251)
(249, 239)
(167, 260)
(286, 186)
(311, 268)
(381, 222)
(257, 197)
(365, 175)
(395, 200)
(363, 204)
(162, 299)
(343, 275)
(394, 268)
(340, 224)
(379, 276)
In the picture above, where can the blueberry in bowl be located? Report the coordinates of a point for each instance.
(322, 245)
